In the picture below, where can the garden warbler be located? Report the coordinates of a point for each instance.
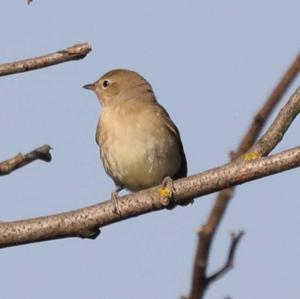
(140, 146)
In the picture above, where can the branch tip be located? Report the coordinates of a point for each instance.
(43, 153)
(75, 52)
(20, 160)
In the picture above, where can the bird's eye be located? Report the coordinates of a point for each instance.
(105, 83)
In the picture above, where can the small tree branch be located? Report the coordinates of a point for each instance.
(72, 53)
(235, 239)
(85, 222)
(40, 153)
(208, 230)
(272, 101)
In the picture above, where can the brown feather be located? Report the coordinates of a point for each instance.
(182, 172)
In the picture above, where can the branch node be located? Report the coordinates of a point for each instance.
(233, 155)
(89, 233)
(259, 119)
(43, 153)
(200, 229)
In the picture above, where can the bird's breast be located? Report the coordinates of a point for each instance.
(137, 149)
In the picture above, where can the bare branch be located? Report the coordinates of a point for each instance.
(264, 113)
(235, 239)
(40, 153)
(72, 53)
(85, 222)
(209, 228)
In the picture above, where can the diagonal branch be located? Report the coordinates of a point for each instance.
(75, 52)
(208, 230)
(18, 161)
(264, 113)
(235, 239)
(85, 222)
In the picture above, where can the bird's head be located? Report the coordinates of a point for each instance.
(120, 85)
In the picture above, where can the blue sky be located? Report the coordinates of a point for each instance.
(211, 64)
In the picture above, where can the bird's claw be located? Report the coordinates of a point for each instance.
(115, 201)
(167, 191)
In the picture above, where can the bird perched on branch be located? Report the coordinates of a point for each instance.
(140, 146)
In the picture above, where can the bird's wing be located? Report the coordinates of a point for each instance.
(97, 136)
(182, 172)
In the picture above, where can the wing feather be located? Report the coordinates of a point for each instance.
(182, 172)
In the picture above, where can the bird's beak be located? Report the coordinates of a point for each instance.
(90, 86)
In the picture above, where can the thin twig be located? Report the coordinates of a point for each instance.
(40, 153)
(209, 228)
(72, 53)
(235, 239)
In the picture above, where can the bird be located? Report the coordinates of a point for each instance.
(140, 146)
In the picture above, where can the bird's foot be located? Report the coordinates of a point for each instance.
(166, 192)
(115, 200)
